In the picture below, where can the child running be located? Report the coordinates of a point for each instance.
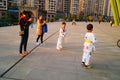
(62, 34)
(88, 47)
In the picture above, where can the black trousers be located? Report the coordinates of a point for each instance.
(40, 36)
(24, 40)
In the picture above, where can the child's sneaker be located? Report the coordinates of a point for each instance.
(58, 48)
(88, 66)
(61, 47)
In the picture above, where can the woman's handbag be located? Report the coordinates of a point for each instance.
(45, 28)
(21, 33)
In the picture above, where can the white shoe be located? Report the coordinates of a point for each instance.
(42, 44)
(61, 47)
(58, 48)
(37, 43)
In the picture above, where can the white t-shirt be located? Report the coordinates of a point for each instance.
(62, 32)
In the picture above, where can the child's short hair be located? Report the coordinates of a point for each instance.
(64, 23)
(89, 27)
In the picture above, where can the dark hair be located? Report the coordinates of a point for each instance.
(24, 12)
(41, 20)
(39, 16)
(63, 23)
(89, 27)
(27, 13)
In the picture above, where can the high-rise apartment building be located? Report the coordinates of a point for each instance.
(89, 7)
(3, 8)
(60, 5)
(63, 6)
(40, 4)
(74, 7)
(14, 3)
(100, 7)
(66, 6)
(51, 8)
(109, 11)
(3, 4)
(30, 3)
(19, 2)
(96, 7)
(106, 8)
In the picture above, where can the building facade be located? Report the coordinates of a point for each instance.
(107, 8)
(74, 7)
(3, 8)
(100, 7)
(3, 4)
(60, 5)
(63, 6)
(51, 8)
(40, 4)
(66, 6)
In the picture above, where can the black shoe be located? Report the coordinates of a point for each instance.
(83, 64)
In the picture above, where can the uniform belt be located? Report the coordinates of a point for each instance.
(88, 41)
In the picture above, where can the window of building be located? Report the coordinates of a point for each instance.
(52, 16)
(48, 16)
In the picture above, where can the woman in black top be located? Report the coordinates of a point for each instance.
(24, 27)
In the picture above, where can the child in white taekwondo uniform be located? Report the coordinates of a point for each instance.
(89, 47)
(62, 34)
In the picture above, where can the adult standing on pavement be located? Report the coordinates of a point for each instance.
(24, 27)
(40, 33)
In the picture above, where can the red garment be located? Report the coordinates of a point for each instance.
(25, 18)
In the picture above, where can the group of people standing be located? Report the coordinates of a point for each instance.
(24, 26)
(25, 22)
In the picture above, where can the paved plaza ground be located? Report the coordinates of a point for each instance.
(47, 63)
